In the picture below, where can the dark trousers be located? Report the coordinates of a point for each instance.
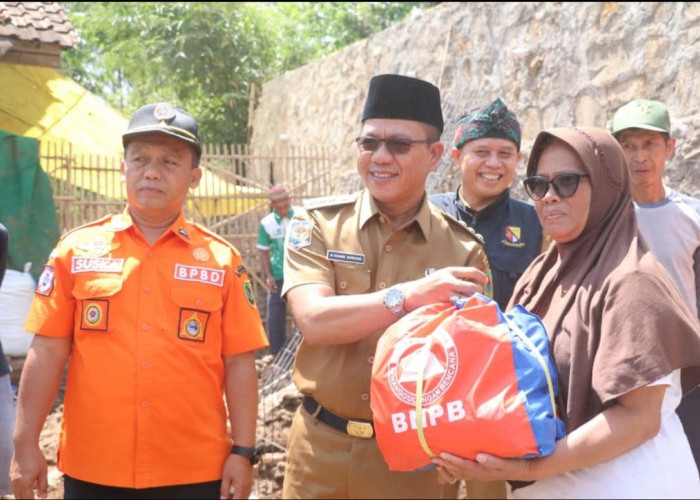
(77, 489)
(276, 319)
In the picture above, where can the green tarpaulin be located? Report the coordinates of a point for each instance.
(26, 203)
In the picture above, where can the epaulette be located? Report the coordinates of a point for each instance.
(452, 220)
(216, 236)
(329, 201)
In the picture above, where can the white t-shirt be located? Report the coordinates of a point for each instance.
(671, 228)
(662, 467)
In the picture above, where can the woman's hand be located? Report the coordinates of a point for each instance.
(485, 468)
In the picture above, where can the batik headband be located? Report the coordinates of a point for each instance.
(493, 120)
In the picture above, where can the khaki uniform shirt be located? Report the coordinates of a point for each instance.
(347, 244)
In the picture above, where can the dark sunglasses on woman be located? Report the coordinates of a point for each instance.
(565, 185)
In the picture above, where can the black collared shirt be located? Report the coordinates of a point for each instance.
(512, 236)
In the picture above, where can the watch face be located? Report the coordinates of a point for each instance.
(394, 298)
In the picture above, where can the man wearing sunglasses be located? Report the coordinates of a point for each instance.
(355, 264)
(668, 220)
(487, 150)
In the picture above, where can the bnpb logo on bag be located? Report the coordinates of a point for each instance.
(439, 360)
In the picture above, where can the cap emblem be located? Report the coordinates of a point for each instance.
(164, 111)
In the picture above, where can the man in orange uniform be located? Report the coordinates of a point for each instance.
(159, 321)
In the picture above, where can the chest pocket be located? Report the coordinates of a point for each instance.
(350, 280)
(93, 294)
(197, 297)
(199, 307)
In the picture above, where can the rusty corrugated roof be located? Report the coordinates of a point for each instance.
(45, 22)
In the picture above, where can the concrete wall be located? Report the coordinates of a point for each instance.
(553, 64)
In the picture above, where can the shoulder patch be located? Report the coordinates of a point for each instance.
(300, 234)
(329, 201)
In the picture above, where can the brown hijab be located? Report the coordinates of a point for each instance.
(615, 319)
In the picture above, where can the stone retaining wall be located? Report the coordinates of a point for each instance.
(553, 63)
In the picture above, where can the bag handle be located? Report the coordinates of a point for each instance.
(419, 400)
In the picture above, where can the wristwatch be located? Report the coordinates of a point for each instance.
(251, 453)
(393, 300)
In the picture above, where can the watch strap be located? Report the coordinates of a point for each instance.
(251, 453)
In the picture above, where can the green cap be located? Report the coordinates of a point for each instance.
(642, 113)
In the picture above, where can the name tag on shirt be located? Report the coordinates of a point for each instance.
(354, 258)
(96, 264)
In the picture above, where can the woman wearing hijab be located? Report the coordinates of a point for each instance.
(625, 344)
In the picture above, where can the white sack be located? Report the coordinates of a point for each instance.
(16, 295)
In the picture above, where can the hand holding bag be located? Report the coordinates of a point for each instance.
(464, 379)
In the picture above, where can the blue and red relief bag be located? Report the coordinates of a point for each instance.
(483, 381)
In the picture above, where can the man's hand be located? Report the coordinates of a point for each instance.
(443, 285)
(271, 284)
(237, 479)
(28, 470)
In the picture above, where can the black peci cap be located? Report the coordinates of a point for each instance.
(403, 97)
(166, 119)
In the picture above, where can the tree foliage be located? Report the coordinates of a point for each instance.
(205, 56)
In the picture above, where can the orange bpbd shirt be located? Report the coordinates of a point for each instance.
(144, 400)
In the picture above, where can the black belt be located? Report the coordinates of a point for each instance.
(355, 428)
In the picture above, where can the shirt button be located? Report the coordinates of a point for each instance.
(146, 289)
(370, 360)
(144, 404)
(364, 396)
(144, 365)
(343, 285)
(382, 285)
(149, 254)
(198, 302)
(387, 248)
(144, 326)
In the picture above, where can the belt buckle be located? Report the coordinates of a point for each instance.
(359, 429)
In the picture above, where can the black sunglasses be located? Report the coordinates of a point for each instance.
(396, 146)
(565, 185)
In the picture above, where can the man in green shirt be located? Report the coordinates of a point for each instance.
(273, 228)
